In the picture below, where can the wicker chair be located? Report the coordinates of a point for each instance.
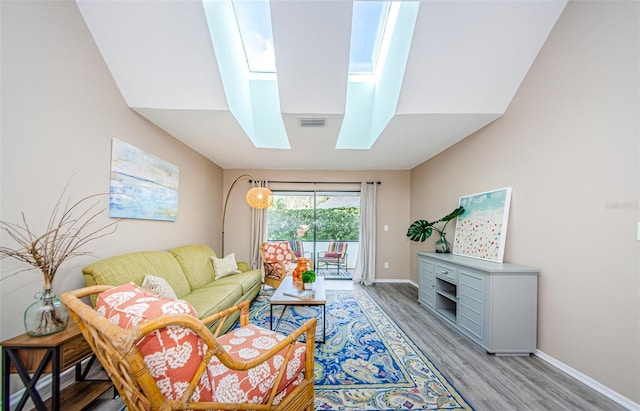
(119, 351)
(278, 261)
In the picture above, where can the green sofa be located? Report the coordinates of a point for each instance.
(188, 270)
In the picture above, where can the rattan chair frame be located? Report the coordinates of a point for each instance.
(274, 272)
(116, 349)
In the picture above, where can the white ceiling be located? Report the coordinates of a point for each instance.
(466, 62)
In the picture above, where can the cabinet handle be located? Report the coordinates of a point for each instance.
(444, 272)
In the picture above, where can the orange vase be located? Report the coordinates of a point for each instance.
(300, 268)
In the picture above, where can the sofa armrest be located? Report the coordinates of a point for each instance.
(243, 266)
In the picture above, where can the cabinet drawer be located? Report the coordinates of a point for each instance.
(447, 272)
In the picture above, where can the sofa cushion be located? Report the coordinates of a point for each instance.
(172, 354)
(133, 267)
(213, 299)
(226, 266)
(195, 261)
(246, 280)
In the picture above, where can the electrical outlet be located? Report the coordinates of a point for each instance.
(386, 264)
(638, 231)
(386, 227)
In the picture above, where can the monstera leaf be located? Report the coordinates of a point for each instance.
(420, 230)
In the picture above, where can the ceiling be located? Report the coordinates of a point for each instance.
(466, 62)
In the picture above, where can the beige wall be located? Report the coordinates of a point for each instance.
(392, 210)
(60, 110)
(568, 146)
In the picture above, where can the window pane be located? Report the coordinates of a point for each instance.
(254, 22)
(367, 28)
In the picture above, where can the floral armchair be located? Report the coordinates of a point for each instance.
(278, 260)
(161, 357)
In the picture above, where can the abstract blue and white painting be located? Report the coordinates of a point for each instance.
(143, 186)
(482, 229)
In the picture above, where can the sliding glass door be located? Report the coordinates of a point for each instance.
(321, 225)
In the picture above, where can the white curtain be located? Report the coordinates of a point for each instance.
(365, 270)
(258, 233)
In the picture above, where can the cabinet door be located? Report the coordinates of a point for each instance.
(472, 306)
(426, 285)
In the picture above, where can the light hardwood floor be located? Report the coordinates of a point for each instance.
(487, 382)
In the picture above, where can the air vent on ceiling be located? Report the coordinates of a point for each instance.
(312, 121)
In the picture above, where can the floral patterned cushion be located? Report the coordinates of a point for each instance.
(254, 385)
(173, 353)
(277, 252)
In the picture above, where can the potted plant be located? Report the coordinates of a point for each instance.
(308, 278)
(420, 230)
(69, 229)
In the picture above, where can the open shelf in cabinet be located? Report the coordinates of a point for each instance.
(446, 298)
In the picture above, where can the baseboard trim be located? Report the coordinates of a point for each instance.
(585, 379)
(382, 280)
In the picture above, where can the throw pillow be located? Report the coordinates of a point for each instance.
(331, 255)
(159, 286)
(223, 267)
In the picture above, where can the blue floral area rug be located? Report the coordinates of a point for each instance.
(367, 363)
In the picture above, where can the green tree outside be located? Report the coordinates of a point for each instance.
(286, 223)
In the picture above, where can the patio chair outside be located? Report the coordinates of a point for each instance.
(335, 255)
(297, 247)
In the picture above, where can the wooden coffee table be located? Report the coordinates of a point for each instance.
(319, 298)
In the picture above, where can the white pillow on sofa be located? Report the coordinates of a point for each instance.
(223, 267)
(159, 286)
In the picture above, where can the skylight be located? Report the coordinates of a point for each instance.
(254, 23)
(372, 99)
(367, 30)
(253, 98)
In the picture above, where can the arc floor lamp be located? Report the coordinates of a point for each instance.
(257, 197)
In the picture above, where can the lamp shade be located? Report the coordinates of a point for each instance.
(259, 197)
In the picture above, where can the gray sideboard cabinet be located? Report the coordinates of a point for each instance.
(493, 304)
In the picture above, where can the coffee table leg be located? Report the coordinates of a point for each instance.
(324, 323)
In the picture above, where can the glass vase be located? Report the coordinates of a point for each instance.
(46, 315)
(442, 245)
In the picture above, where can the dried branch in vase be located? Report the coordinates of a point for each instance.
(68, 230)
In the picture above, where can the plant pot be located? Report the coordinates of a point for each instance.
(46, 315)
(442, 245)
(308, 286)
